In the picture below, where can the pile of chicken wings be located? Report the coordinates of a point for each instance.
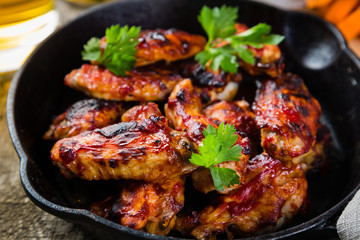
(143, 127)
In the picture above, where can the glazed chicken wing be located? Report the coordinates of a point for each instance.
(145, 206)
(137, 85)
(148, 150)
(165, 45)
(83, 116)
(288, 117)
(184, 111)
(268, 59)
(272, 194)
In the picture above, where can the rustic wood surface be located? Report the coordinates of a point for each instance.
(19, 217)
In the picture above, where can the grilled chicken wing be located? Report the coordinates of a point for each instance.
(149, 206)
(141, 112)
(288, 117)
(268, 59)
(272, 194)
(143, 205)
(148, 150)
(237, 113)
(137, 85)
(164, 45)
(184, 111)
(83, 116)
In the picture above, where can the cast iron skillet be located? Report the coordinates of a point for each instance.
(313, 49)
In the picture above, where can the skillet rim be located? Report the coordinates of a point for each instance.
(81, 216)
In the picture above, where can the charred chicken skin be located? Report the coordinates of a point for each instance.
(205, 76)
(288, 117)
(145, 206)
(137, 85)
(272, 194)
(84, 116)
(165, 45)
(184, 110)
(148, 150)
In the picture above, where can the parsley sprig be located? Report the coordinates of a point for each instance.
(219, 25)
(218, 146)
(119, 54)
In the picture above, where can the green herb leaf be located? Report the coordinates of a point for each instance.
(119, 54)
(218, 146)
(91, 50)
(219, 25)
(218, 22)
(223, 176)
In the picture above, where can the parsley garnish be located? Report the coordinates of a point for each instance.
(119, 54)
(218, 24)
(218, 146)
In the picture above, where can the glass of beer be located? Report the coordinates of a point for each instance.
(23, 24)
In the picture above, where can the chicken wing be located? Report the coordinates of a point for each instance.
(184, 111)
(144, 205)
(268, 59)
(148, 206)
(288, 117)
(148, 150)
(137, 85)
(164, 45)
(83, 116)
(271, 196)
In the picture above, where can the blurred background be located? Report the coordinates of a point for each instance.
(23, 25)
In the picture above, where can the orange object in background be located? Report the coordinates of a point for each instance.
(311, 4)
(350, 26)
(345, 14)
(340, 9)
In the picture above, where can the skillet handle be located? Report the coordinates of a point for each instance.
(325, 230)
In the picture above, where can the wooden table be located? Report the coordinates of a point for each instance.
(19, 217)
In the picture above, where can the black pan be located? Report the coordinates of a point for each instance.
(313, 49)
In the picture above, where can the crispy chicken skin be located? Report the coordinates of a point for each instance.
(205, 76)
(272, 194)
(145, 206)
(184, 110)
(239, 114)
(288, 117)
(83, 116)
(141, 112)
(165, 45)
(148, 150)
(137, 85)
